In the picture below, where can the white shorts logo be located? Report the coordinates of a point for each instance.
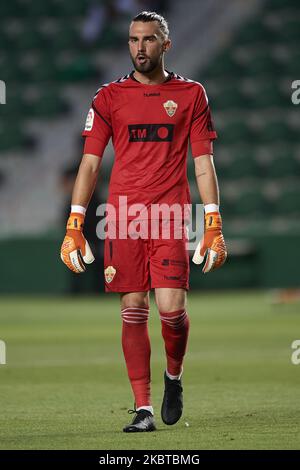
(89, 120)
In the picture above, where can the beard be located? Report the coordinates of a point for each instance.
(147, 67)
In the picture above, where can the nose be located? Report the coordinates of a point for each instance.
(141, 46)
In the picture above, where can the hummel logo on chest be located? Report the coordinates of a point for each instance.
(151, 94)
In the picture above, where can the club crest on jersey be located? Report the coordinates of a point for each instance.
(170, 107)
(109, 273)
(89, 120)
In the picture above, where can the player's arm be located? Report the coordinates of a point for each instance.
(86, 180)
(207, 179)
(212, 243)
(75, 250)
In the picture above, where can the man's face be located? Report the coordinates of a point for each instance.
(146, 45)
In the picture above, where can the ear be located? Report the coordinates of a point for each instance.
(167, 45)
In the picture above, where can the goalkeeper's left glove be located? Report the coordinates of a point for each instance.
(212, 244)
(75, 250)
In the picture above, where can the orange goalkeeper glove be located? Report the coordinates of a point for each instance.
(75, 250)
(212, 244)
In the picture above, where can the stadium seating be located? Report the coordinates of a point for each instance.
(249, 87)
(40, 54)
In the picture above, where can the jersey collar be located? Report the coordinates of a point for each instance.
(169, 77)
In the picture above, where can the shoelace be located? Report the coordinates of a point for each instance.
(134, 410)
(137, 417)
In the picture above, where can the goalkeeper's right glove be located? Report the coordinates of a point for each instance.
(75, 250)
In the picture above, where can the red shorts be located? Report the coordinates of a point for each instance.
(149, 261)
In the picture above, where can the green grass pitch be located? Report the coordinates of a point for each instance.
(65, 384)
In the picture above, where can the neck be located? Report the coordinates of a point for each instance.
(152, 78)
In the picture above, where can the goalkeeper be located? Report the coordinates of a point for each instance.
(151, 114)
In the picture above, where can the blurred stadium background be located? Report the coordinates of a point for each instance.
(54, 54)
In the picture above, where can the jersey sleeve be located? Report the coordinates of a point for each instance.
(98, 127)
(202, 132)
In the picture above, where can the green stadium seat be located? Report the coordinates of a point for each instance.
(11, 8)
(222, 163)
(111, 37)
(67, 37)
(284, 164)
(288, 202)
(243, 164)
(229, 98)
(9, 68)
(265, 65)
(226, 205)
(15, 105)
(6, 42)
(48, 103)
(77, 69)
(29, 39)
(71, 8)
(255, 32)
(11, 135)
(42, 69)
(281, 4)
(278, 130)
(41, 9)
(223, 66)
(238, 162)
(236, 131)
(292, 67)
(268, 94)
(250, 203)
(290, 30)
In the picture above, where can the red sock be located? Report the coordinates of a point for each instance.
(175, 331)
(137, 351)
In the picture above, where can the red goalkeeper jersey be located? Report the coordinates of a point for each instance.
(150, 127)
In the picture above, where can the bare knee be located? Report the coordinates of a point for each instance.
(170, 300)
(134, 299)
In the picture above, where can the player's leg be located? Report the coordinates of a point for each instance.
(126, 263)
(169, 268)
(171, 304)
(137, 351)
(136, 344)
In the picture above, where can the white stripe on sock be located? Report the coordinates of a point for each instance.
(174, 377)
(148, 408)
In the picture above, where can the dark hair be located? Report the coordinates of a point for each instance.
(147, 16)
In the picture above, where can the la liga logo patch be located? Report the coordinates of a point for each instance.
(89, 120)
